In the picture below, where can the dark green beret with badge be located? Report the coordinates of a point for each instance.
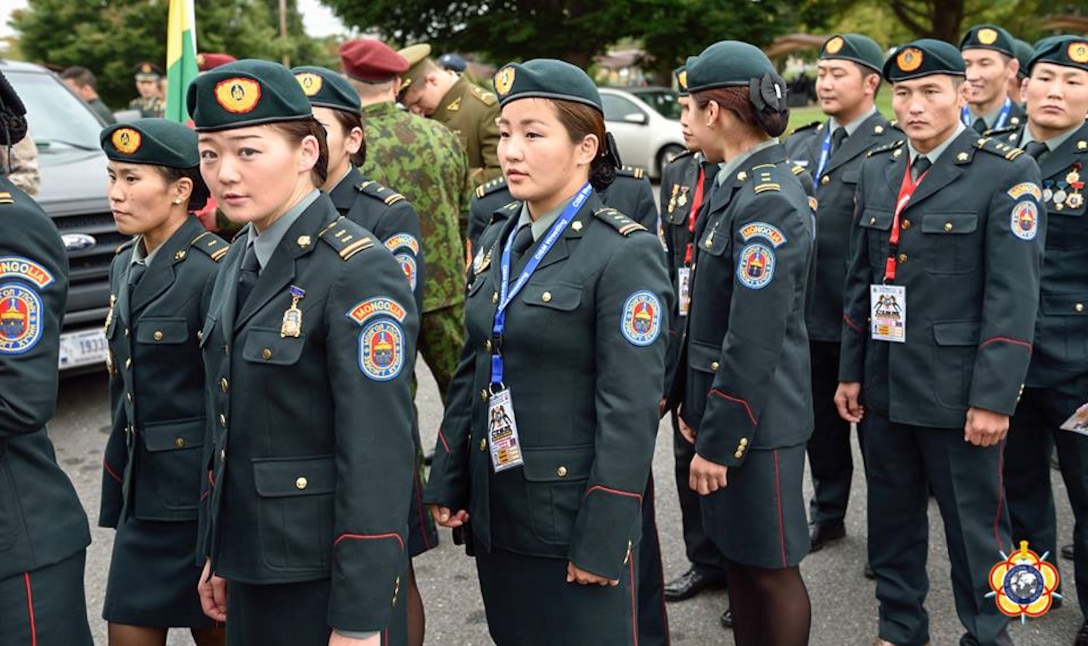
(1024, 53)
(854, 47)
(727, 63)
(989, 37)
(923, 57)
(546, 78)
(160, 142)
(681, 76)
(246, 93)
(1069, 51)
(327, 89)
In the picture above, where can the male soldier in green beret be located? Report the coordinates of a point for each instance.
(939, 313)
(452, 100)
(990, 55)
(149, 103)
(1024, 53)
(848, 79)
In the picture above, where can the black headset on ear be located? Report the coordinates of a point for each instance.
(768, 95)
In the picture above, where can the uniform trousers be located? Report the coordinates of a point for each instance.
(1033, 435)
(903, 462)
(653, 622)
(830, 456)
(46, 606)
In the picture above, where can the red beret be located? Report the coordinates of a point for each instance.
(371, 61)
(209, 61)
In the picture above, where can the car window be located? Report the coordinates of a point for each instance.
(663, 102)
(617, 107)
(58, 119)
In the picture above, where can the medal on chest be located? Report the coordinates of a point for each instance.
(292, 316)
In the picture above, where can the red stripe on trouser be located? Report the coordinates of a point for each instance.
(778, 495)
(30, 610)
(1000, 494)
(634, 602)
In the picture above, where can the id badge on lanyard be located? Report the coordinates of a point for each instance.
(683, 284)
(502, 432)
(887, 301)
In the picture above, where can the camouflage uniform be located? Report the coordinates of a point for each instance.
(21, 165)
(149, 107)
(424, 161)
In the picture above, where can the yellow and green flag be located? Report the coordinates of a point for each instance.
(181, 66)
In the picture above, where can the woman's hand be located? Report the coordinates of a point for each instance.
(577, 574)
(443, 517)
(686, 432)
(706, 476)
(212, 590)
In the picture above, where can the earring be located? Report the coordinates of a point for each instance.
(177, 201)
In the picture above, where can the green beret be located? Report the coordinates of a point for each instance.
(681, 76)
(1024, 54)
(923, 57)
(1070, 51)
(546, 78)
(727, 63)
(854, 47)
(160, 142)
(989, 37)
(246, 93)
(327, 89)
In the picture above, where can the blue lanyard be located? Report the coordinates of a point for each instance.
(508, 292)
(825, 153)
(1006, 108)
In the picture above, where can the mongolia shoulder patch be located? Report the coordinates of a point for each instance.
(756, 266)
(18, 267)
(1025, 220)
(1026, 188)
(381, 350)
(20, 318)
(763, 230)
(641, 321)
(406, 240)
(378, 306)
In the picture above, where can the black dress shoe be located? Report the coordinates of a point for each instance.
(1082, 635)
(1067, 552)
(820, 534)
(727, 618)
(692, 582)
(869, 574)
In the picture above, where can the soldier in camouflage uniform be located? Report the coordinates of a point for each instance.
(149, 103)
(19, 163)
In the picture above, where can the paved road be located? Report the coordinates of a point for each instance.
(844, 608)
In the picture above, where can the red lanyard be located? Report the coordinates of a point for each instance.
(696, 202)
(906, 190)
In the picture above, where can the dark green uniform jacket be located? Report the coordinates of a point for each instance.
(746, 362)
(41, 520)
(970, 250)
(585, 380)
(1060, 352)
(153, 456)
(631, 194)
(834, 213)
(390, 217)
(313, 452)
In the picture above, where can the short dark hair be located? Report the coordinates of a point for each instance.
(349, 121)
(199, 197)
(82, 77)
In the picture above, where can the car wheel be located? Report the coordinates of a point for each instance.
(665, 155)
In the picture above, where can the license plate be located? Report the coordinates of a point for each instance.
(83, 348)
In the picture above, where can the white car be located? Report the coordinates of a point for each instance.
(646, 124)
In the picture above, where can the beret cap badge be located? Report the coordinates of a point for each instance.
(311, 83)
(987, 36)
(1078, 52)
(834, 46)
(504, 81)
(238, 95)
(126, 140)
(909, 59)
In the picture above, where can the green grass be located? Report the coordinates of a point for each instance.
(806, 115)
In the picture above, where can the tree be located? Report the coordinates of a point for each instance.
(948, 19)
(110, 37)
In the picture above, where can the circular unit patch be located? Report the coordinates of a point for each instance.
(641, 322)
(381, 350)
(1025, 220)
(20, 318)
(408, 265)
(756, 267)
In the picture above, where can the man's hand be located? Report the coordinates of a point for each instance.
(686, 432)
(212, 590)
(848, 401)
(985, 428)
(706, 476)
(443, 517)
(576, 574)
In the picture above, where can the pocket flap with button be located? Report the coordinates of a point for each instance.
(162, 330)
(956, 333)
(173, 435)
(558, 296)
(714, 243)
(1063, 304)
(265, 345)
(280, 477)
(558, 464)
(704, 357)
(953, 223)
(878, 219)
(850, 176)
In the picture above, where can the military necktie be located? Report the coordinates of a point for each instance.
(522, 241)
(837, 138)
(921, 165)
(251, 269)
(1036, 149)
(135, 273)
(980, 125)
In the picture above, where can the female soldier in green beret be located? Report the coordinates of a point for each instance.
(746, 397)
(552, 415)
(308, 347)
(160, 286)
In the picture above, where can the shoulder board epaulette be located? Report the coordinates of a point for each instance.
(490, 186)
(483, 95)
(6, 197)
(346, 238)
(807, 126)
(211, 244)
(765, 178)
(997, 132)
(502, 213)
(620, 222)
(995, 147)
(631, 171)
(124, 245)
(885, 148)
(376, 190)
(797, 169)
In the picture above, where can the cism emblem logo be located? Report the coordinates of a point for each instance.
(1023, 585)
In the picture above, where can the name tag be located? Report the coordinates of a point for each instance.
(888, 313)
(683, 280)
(502, 432)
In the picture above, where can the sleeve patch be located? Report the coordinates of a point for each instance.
(18, 267)
(763, 230)
(379, 306)
(408, 266)
(20, 318)
(1026, 188)
(1025, 220)
(381, 350)
(399, 240)
(756, 267)
(641, 321)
